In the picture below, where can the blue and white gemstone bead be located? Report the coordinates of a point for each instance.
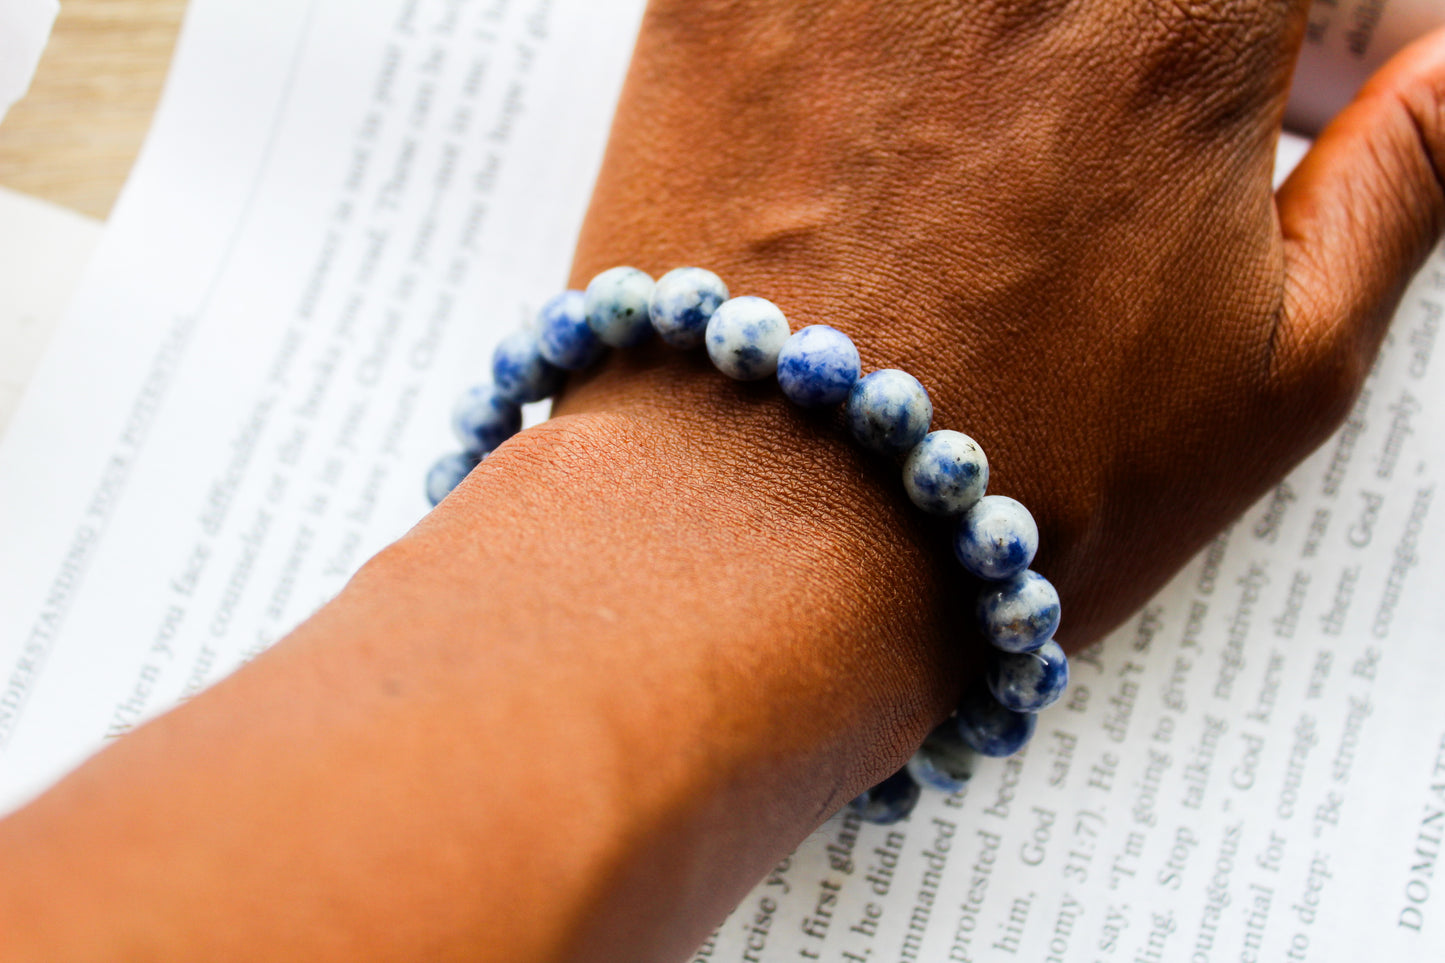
(483, 419)
(683, 302)
(944, 762)
(564, 337)
(945, 473)
(889, 801)
(996, 539)
(744, 337)
(990, 729)
(818, 366)
(1021, 614)
(889, 411)
(617, 305)
(520, 373)
(447, 474)
(1029, 681)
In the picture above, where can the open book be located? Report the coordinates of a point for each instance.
(255, 375)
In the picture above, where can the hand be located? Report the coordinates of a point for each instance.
(1059, 217)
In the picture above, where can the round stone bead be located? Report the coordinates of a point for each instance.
(448, 473)
(996, 539)
(889, 411)
(520, 373)
(564, 337)
(990, 729)
(616, 303)
(889, 801)
(818, 366)
(682, 304)
(1029, 681)
(744, 337)
(944, 761)
(483, 419)
(945, 473)
(1021, 614)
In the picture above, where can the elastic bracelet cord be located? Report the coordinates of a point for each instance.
(945, 474)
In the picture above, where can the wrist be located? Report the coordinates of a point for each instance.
(705, 675)
(753, 632)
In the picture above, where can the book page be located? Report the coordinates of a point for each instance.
(1345, 42)
(24, 30)
(44, 250)
(340, 210)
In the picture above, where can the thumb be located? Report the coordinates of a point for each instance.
(1358, 216)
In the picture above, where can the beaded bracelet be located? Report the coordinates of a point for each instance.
(945, 473)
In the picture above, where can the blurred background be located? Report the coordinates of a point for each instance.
(73, 138)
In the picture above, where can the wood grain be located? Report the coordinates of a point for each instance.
(73, 138)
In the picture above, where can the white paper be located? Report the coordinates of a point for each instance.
(44, 250)
(1290, 150)
(341, 208)
(24, 30)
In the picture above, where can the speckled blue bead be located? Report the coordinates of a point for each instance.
(818, 366)
(448, 473)
(616, 302)
(1029, 681)
(945, 473)
(889, 411)
(1021, 614)
(744, 337)
(996, 539)
(520, 373)
(563, 335)
(990, 729)
(682, 304)
(483, 419)
(889, 801)
(944, 761)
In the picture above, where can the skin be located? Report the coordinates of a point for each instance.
(647, 647)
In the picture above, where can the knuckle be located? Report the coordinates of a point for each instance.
(1220, 61)
(1015, 21)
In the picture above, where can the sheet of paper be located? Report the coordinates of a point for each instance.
(1345, 42)
(44, 250)
(341, 208)
(1253, 769)
(24, 30)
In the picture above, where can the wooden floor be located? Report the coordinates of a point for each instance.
(73, 138)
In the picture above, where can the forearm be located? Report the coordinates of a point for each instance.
(583, 706)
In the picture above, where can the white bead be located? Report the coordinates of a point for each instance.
(996, 539)
(945, 473)
(682, 304)
(616, 302)
(889, 411)
(744, 337)
(818, 366)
